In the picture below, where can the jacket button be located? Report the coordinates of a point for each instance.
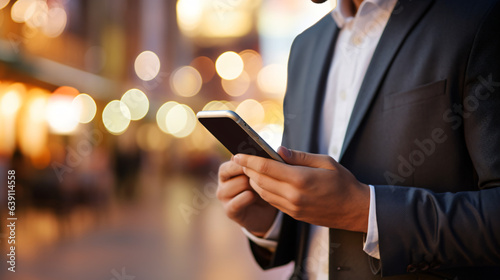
(341, 268)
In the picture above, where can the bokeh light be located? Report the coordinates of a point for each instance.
(238, 86)
(233, 22)
(272, 134)
(87, 105)
(39, 16)
(230, 104)
(274, 112)
(11, 101)
(180, 121)
(252, 62)
(67, 90)
(272, 80)
(189, 14)
(137, 102)
(216, 105)
(36, 14)
(116, 117)
(36, 107)
(61, 116)
(205, 66)
(186, 81)
(21, 10)
(4, 3)
(229, 65)
(251, 111)
(56, 23)
(33, 129)
(161, 115)
(147, 65)
(176, 119)
(209, 19)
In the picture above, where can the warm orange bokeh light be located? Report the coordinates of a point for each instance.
(252, 61)
(67, 90)
(205, 66)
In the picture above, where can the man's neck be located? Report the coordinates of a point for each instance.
(350, 7)
(356, 4)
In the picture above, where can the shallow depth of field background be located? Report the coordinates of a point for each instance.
(115, 179)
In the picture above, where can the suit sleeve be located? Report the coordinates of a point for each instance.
(424, 231)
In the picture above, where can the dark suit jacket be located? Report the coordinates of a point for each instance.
(425, 131)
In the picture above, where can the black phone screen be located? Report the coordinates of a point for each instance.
(233, 137)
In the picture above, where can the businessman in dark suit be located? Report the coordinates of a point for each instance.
(423, 141)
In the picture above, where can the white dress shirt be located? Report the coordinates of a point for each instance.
(358, 37)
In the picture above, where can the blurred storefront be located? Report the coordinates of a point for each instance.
(113, 174)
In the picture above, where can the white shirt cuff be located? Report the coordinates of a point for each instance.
(370, 245)
(270, 239)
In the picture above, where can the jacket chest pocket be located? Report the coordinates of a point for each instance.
(417, 95)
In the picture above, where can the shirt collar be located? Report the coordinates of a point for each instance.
(343, 10)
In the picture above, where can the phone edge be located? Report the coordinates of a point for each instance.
(247, 128)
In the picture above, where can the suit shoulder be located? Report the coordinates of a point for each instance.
(325, 24)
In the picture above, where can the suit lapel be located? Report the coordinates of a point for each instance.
(405, 16)
(315, 84)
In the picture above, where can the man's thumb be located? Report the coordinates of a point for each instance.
(305, 159)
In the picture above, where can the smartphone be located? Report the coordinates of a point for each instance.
(235, 134)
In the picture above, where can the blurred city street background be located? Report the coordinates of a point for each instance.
(114, 177)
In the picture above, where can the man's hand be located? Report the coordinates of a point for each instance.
(240, 201)
(311, 188)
